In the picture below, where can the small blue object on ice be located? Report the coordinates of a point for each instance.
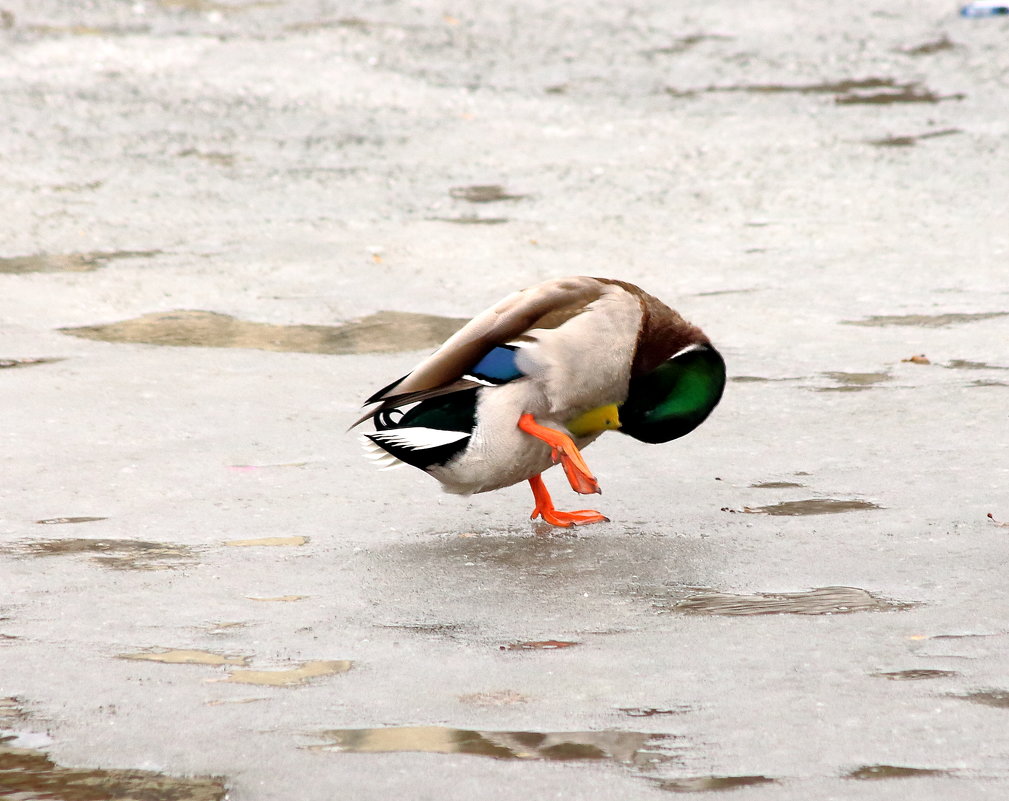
(984, 8)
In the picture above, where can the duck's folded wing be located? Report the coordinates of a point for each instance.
(545, 305)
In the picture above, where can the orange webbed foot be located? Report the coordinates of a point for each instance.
(545, 509)
(564, 450)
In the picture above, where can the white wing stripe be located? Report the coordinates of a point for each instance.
(419, 439)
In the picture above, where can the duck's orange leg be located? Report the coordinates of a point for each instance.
(563, 449)
(555, 517)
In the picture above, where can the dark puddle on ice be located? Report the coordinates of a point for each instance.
(930, 47)
(450, 630)
(701, 784)
(238, 674)
(653, 711)
(924, 320)
(681, 44)
(847, 91)
(539, 645)
(995, 698)
(12, 708)
(911, 140)
(471, 219)
(759, 379)
(60, 521)
(853, 382)
(964, 364)
(818, 601)
(870, 772)
(113, 554)
(918, 674)
(28, 773)
(482, 193)
(775, 485)
(640, 750)
(383, 332)
(68, 262)
(185, 656)
(811, 506)
(7, 364)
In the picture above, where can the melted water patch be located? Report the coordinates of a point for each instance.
(209, 6)
(652, 711)
(759, 379)
(853, 382)
(638, 749)
(68, 262)
(701, 784)
(185, 657)
(59, 521)
(911, 140)
(995, 698)
(818, 601)
(847, 91)
(11, 708)
(812, 506)
(924, 320)
(963, 364)
(7, 364)
(494, 698)
(483, 193)
(775, 485)
(919, 674)
(290, 677)
(681, 44)
(383, 332)
(539, 645)
(269, 542)
(930, 47)
(869, 772)
(29, 774)
(471, 219)
(114, 554)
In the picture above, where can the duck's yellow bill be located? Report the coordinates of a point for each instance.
(602, 418)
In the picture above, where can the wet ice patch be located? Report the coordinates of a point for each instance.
(818, 601)
(185, 657)
(635, 749)
(31, 361)
(68, 262)
(494, 698)
(652, 711)
(11, 709)
(925, 320)
(996, 698)
(917, 674)
(291, 677)
(483, 193)
(28, 773)
(701, 784)
(853, 382)
(811, 506)
(539, 645)
(113, 554)
(876, 772)
(910, 140)
(383, 332)
(59, 521)
(269, 542)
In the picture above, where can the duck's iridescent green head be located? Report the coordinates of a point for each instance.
(675, 397)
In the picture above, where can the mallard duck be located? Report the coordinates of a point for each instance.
(538, 377)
